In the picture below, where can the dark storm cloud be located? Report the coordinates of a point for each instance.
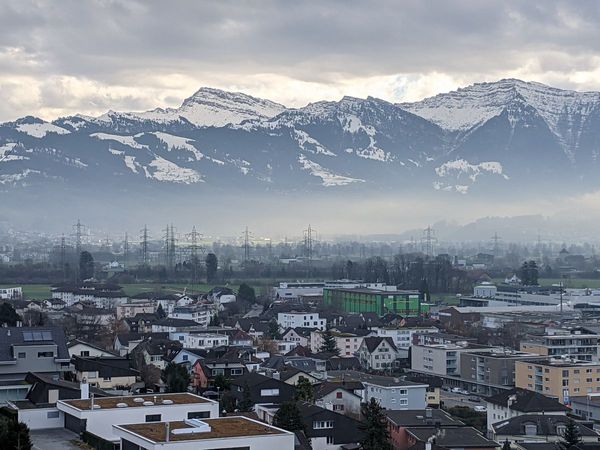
(137, 45)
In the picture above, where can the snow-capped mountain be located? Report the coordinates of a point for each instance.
(489, 138)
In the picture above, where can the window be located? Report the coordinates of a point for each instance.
(322, 424)
(45, 354)
(185, 357)
(338, 395)
(330, 440)
(84, 353)
(237, 371)
(52, 415)
(338, 407)
(199, 415)
(22, 355)
(106, 378)
(530, 429)
(269, 392)
(216, 372)
(153, 418)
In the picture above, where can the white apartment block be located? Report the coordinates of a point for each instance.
(347, 343)
(402, 337)
(302, 320)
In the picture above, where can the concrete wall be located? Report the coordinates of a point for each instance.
(38, 418)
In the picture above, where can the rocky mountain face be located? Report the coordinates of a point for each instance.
(487, 138)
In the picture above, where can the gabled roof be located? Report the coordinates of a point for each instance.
(546, 425)
(339, 363)
(327, 387)
(288, 372)
(41, 384)
(422, 417)
(527, 401)
(105, 366)
(10, 336)
(75, 342)
(171, 322)
(463, 437)
(372, 342)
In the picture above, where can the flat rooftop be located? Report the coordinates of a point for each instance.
(221, 428)
(158, 399)
(561, 363)
(372, 291)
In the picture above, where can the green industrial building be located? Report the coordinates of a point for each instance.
(359, 300)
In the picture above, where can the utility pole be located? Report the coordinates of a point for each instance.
(496, 240)
(125, 251)
(194, 236)
(246, 245)
(308, 245)
(428, 240)
(63, 257)
(144, 245)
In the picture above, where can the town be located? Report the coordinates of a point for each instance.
(418, 350)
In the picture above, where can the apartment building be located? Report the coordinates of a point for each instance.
(402, 337)
(347, 343)
(301, 319)
(491, 369)
(561, 378)
(579, 343)
(441, 359)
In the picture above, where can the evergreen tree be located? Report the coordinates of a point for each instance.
(570, 437)
(14, 435)
(304, 390)
(247, 293)
(506, 445)
(176, 377)
(212, 263)
(273, 331)
(329, 344)
(374, 427)
(289, 418)
(214, 321)
(8, 315)
(160, 312)
(246, 404)
(86, 266)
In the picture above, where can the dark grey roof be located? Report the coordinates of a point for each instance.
(105, 366)
(463, 437)
(327, 387)
(172, 322)
(546, 425)
(339, 363)
(14, 336)
(371, 379)
(422, 417)
(527, 401)
(372, 342)
(41, 384)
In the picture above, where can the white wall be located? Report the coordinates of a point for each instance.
(100, 422)
(37, 419)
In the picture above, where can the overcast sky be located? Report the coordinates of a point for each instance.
(62, 57)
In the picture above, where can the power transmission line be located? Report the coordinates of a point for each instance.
(144, 245)
(246, 245)
(125, 251)
(428, 241)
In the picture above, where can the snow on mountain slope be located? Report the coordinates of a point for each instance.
(125, 140)
(468, 107)
(213, 107)
(328, 178)
(40, 129)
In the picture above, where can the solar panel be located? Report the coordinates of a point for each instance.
(33, 336)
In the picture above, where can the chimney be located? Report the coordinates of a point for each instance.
(84, 387)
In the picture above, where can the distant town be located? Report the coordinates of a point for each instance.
(178, 343)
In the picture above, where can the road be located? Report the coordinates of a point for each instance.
(451, 399)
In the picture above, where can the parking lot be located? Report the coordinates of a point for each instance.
(55, 439)
(451, 399)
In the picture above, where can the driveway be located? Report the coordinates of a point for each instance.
(54, 439)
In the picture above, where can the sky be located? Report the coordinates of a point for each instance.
(73, 56)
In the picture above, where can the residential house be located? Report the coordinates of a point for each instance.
(262, 389)
(292, 375)
(80, 348)
(400, 421)
(456, 438)
(206, 434)
(327, 429)
(391, 393)
(132, 308)
(339, 398)
(347, 342)
(170, 325)
(538, 428)
(402, 337)
(377, 353)
(105, 372)
(299, 335)
(98, 416)
(30, 349)
(519, 402)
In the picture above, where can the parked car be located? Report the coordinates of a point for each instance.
(480, 408)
